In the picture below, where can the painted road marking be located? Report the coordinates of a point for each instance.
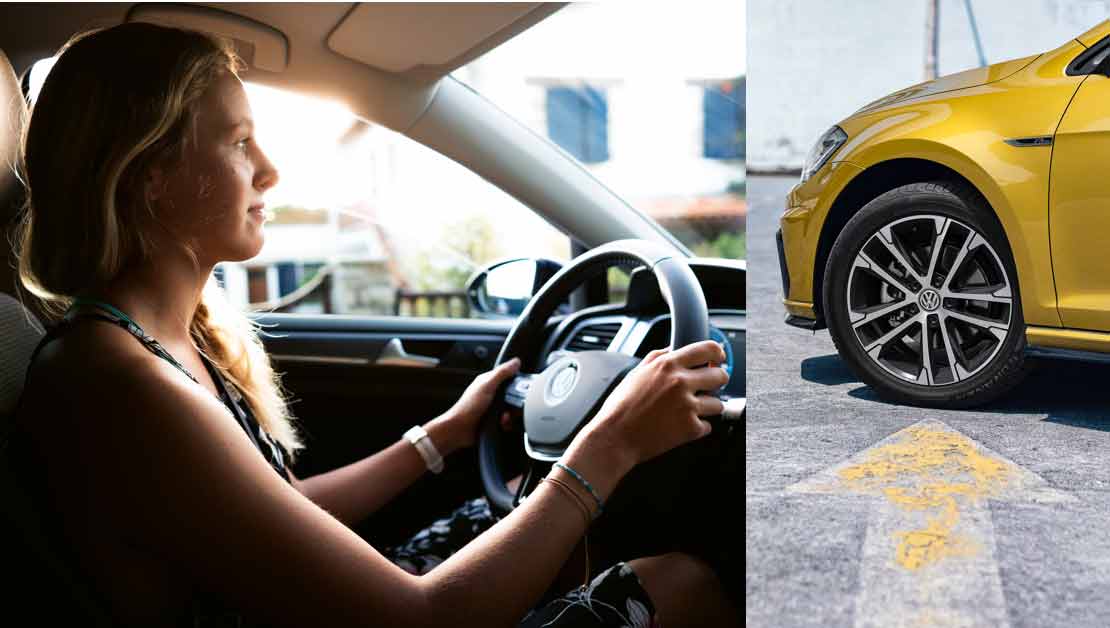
(929, 554)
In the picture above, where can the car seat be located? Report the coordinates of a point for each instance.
(43, 581)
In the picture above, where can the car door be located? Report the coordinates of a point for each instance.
(357, 383)
(1079, 208)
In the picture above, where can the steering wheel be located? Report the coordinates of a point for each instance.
(560, 398)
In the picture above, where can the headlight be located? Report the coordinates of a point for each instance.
(829, 143)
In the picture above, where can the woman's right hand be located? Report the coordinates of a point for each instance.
(655, 408)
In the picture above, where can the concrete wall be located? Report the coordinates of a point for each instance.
(810, 64)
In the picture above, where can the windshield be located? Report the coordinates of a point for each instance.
(649, 97)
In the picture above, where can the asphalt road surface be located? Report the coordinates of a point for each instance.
(864, 513)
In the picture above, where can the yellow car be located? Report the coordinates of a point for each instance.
(946, 231)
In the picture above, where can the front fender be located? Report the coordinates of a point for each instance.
(966, 131)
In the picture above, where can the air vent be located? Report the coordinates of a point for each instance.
(594, 337)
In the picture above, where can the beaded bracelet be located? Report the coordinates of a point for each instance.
(582, 480)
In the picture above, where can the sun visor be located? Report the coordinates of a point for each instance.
(259, 45)
(430, 39)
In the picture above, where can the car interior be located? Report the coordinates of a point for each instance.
(353, 394)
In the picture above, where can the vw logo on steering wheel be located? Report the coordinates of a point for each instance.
(560, 386)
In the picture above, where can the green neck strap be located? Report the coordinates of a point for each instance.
(79, 301)
(134, 328)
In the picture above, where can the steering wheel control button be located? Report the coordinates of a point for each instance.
(517, 391)
(566, 395)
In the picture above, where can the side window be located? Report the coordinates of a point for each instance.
(366, 221)
(658, 119)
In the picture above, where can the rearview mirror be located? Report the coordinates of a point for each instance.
(503, 289)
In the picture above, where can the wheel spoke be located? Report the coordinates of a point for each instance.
(867, 316)
(977, 321)
(969, 243)
(990, 297)
(886, 236)
(926, 358)
(948, 351)
(871, 266)
(892, 334)
(937, 247)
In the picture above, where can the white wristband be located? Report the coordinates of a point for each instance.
(426, 448)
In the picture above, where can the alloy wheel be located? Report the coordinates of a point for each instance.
(929, 300)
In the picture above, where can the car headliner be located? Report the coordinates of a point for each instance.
(318, 41)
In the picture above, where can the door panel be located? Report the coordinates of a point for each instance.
(348, 406)
(1079, 202)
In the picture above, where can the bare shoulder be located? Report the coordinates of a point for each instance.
(93, 371)
(118, 425)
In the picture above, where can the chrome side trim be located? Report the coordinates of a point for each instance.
(1025, 142)
(394, 354)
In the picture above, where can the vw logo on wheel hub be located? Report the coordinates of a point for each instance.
(561, 385)
(929, 300)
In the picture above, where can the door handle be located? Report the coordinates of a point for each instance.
(394, 354)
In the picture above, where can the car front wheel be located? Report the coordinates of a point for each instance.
(921, 298)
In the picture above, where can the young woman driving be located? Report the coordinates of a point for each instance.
(165, 463)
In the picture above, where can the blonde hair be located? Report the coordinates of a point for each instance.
(117, 101)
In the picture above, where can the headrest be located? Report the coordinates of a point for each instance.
(21, 333)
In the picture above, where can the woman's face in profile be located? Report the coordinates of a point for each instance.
(212, 199)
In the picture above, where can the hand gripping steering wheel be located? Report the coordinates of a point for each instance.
(560, 398)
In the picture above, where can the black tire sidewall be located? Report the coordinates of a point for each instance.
(1004, 369)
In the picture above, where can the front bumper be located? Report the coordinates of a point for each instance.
(793, 318)
(807, 206)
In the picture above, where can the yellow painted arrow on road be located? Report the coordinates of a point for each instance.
(929, 555)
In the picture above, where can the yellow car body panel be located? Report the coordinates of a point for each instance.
(1080, 208)
(962, 122)
(1071, 339)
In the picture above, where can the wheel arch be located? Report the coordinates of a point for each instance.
(869, 184)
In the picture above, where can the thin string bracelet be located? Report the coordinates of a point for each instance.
(586, 536)
(577, 498)
(582, 480)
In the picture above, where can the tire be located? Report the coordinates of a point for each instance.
(879, 314)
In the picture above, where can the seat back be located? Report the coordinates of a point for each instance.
(43, 580)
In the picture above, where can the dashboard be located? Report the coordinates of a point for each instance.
(643, 322)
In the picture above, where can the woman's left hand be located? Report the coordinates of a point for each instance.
(459, 425)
